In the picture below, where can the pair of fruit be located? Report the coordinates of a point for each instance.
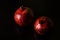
(24, 16)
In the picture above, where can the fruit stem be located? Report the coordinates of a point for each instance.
(21, 7)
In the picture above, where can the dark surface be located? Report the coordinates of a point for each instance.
(10, 30)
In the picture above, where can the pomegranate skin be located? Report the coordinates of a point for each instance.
(42, 25)
(23, 16)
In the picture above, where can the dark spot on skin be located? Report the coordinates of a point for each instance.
(42, 22)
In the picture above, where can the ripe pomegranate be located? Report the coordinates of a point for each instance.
(23, 16)
(42, 24)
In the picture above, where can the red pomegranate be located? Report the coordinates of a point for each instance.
(41, 25)
(23, 16)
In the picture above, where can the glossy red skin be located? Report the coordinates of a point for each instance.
(25, 17)
(42, 28)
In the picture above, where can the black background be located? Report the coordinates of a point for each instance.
(10, 30)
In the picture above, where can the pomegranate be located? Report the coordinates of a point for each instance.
(23, 16)
(42, 24)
